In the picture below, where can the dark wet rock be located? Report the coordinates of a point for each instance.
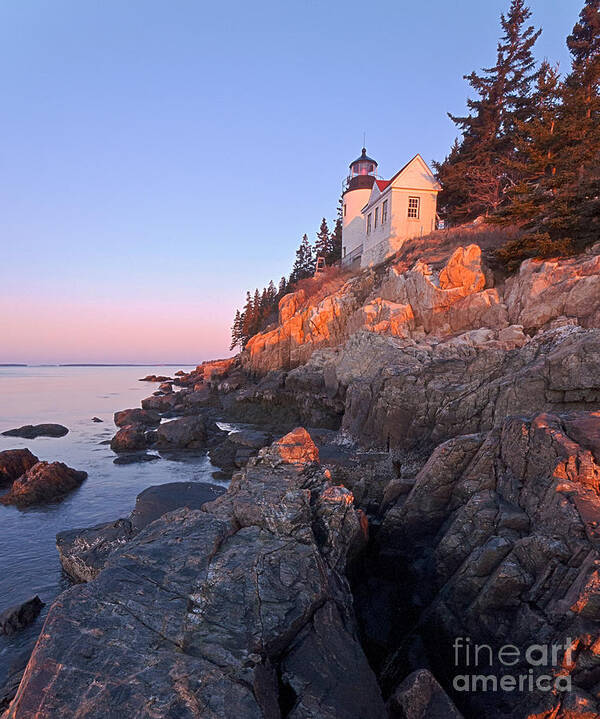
(500, 539)
(129, 439)
(83, 552)
(155, 501)
(156, 378)
(186, 433)
(135, 458)
(238, 447)
(14, 463)
(15, 618)
(236, 610)
(11, 677)
(31, 431)
(143, 417)
(44, 482)
(420, 696)
(97, 419)
(165, 387)
(163, 402)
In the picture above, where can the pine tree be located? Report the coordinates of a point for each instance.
(236, 331)
(477, 172)
(323, 242)
(304, 265)
(562, 210)
(247, 320)
(336, 242)
(282, 290)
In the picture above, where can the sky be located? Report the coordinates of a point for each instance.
(158, 159)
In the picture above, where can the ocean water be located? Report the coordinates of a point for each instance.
(72, 396)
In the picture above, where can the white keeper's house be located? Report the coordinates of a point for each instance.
(379, 215)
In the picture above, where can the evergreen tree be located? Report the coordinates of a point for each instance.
(477, 172)
(247, 319)
(323, 242)
(304, 265)
(256, 316)
(561, 211)
(236, 331)
(535, 154)
(282, 290)
(336, 242)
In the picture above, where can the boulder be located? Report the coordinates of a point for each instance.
(235, 610)
(31, 431)
(130, 438)
(18, 617)
(420, 696)
(156, 378)
(11, 678)
(185, 433)
(163, 402)
(165, 387)
(238, 447)
(44, 482)
(96, 419)
(14, 463)
(83, 553)
(143, 417)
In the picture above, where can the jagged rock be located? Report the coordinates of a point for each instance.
(501, 533)
(44, 482)
(143, 417)
(156, 378)
(130, 438)
(11, 678)
(201, 615)
(420, 696)
(14, 463)
(163, 402)
(185, 433)
(31, 431)
(238, 447)
(548, 289)
(96, 419)
(16, 618)
(83, 552)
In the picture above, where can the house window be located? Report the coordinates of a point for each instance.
(344, 209)
(414, 207)
(384, 212)
(376, 218)
(368, 223)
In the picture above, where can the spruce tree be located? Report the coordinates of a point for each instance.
(336, 242)
(247, 320)
(282, 289)
(323, 242)
(236, 331)
(304, 265)
(477, 172)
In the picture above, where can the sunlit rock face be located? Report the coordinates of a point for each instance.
(501, 528)
(240, 609)
(425, 304)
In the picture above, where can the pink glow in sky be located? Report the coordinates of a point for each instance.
(54, 332)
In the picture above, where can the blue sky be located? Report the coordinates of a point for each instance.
(158, 159)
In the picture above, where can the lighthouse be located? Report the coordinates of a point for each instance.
(356, 192)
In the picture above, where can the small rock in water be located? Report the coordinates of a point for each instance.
(44, 482)
(97, 419)
(135, 457)
(31, 431)
(18, 617)
(14, 463)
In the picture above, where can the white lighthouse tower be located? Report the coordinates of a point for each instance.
(355, 195)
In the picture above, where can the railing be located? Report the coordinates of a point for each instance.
(351, 257)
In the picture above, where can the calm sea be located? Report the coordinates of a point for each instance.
(71, 396)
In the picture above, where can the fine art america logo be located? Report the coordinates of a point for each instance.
(539, 667)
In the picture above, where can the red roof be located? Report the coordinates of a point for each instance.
(382, 184)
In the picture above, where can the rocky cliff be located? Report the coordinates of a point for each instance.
(336, 581)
